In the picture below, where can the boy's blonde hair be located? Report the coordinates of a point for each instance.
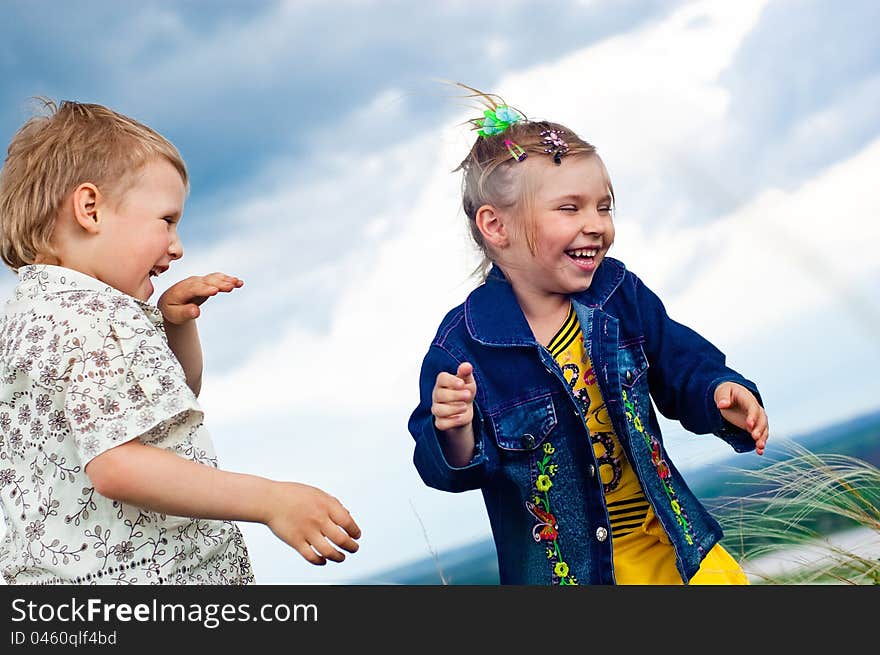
(490, 174)
(52, 154)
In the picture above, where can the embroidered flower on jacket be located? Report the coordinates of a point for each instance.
(663, 471)
(543, 483)
(546, 531)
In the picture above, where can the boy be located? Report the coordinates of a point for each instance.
(107, 474)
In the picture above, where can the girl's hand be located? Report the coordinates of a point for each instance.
(452, 402)
(180, 303)
(739, 406)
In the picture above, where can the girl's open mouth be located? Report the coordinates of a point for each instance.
(584, 258)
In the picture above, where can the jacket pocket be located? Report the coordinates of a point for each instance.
(525, 425)
(632, 364)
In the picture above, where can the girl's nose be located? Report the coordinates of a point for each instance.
(594, 223)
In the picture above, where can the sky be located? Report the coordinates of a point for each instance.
(743, 141)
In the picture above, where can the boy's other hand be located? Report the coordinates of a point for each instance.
(311, 521)
(739, 406)
(452, 401)
(180, 302)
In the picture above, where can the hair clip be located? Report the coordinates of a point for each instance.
(516, 151)
(556, 145)
(495, 121)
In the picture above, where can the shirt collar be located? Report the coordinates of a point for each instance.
(493, 315)
(42, 279)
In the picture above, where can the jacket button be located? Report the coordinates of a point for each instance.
(601, 534)
(528, 441)
(629, 376)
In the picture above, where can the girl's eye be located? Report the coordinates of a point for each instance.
(168, 219)
(568, 208)
(606, 209)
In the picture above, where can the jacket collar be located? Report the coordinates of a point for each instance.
(493, 315)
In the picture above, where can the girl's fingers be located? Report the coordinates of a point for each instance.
(457, 421)
(448, 381)
(448, 410)
(444, 395)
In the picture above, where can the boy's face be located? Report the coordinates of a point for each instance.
(573, 227)
(138, 236)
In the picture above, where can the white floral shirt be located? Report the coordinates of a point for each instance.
(84, 368)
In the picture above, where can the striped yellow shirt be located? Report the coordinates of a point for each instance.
(627, 505)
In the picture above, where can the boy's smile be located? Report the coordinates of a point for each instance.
(138, 234)
(573, 227)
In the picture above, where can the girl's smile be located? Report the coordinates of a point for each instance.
(571, 227)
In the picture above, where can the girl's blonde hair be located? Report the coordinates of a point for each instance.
(53, 153)
(490, 174)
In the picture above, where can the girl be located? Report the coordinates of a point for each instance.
(538, 388)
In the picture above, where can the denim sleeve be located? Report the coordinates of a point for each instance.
(684, 371)
(428, 457)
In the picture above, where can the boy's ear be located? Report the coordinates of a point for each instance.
(85, 206)
(492, 226)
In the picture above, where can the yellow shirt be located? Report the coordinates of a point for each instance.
(643, 553)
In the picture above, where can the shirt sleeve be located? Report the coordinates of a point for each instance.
(685, 369)
(428, 456)
(124, 383)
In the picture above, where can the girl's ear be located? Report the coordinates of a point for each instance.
(85, 206)
(493, 226)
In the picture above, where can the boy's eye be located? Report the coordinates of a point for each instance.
(168, 219)
(605, 209)
(568, 208)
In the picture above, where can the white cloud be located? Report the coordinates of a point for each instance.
(390, 312)
(658, 96)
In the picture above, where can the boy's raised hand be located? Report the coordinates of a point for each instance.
(739, 406)
(452, 401)
(311, 521)
(180, 302)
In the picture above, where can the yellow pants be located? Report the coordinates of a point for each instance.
(646, 556)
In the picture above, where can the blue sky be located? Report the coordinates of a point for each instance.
(743, 140)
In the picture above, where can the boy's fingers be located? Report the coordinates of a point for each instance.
(340, 537)
(309, 555)
(325, 548)
(343, 519)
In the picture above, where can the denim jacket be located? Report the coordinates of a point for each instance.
(525, 413)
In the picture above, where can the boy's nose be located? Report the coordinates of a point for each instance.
(175, 248)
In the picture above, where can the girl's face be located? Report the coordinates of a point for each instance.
(572, 227)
